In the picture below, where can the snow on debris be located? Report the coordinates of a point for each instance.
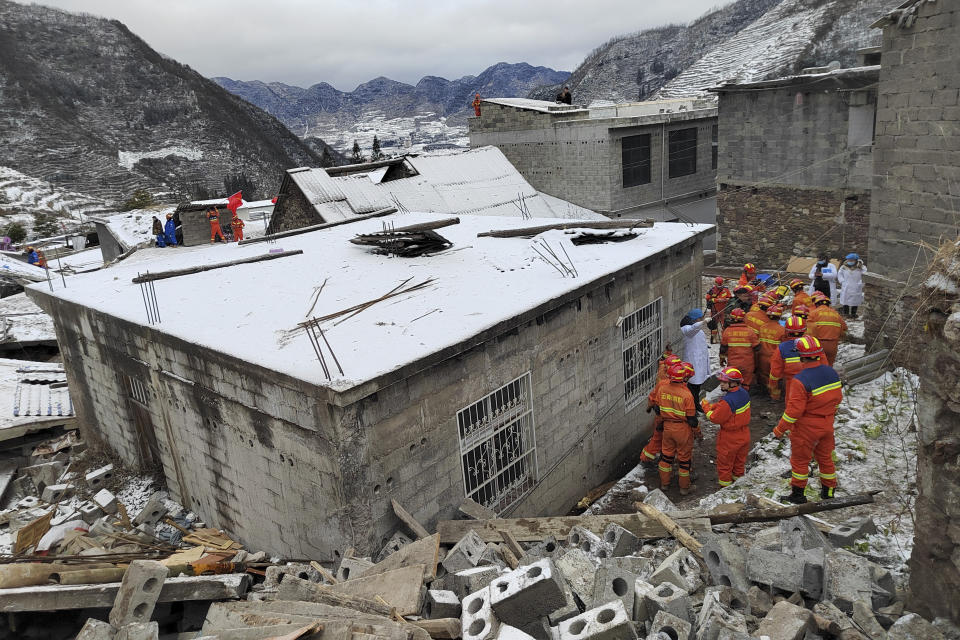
(24, 322)
(477, 284)
(134, 228)
(128, 159)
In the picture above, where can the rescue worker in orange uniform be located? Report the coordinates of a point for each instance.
(748, 275)
(237, 225)
(732, 413)
(826, 325)
(770, 336)
(814, 395)
(213, 216)
(757, 316)
(785, 362)
(803, 311)
(676, 408)
(717, 298)
(652, 449)
(743, 298)
(738, 347)
(800, 296)
(476, 105)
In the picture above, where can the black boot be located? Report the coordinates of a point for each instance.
(796, 496)
(826, 493)
(853, 312)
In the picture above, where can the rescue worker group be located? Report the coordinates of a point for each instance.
(790, 361)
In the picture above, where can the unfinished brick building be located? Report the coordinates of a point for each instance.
(499, 379)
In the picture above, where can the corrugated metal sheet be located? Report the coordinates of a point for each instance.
(335, 211)
(477, 165)
(415, 194)
(363, 195)
(317, 186)
(42, 391)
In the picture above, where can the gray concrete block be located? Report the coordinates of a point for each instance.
(95, 629)
(799, 533)
(478, 622)
(679, 568)
(785, 572)
(441, 604)
(845, 534)
(106, 501)
(637, 565)
(548, 547)
(606, 622)
(665, 597)
(465, 582)
(28, 502)
(666, 626)
(97, 477)
(864, 619)
(621, 541)
(507, 632)
(727, 563)
(89, 511)
(659, 499)
(579, 570)
(715, 616)
(611, 583)
(492, 556)
(846, 579)
(351, 567)
(56, 492)
(153, 511)
(786, 622)
(138, 593)
(588, 542)
(528, 592)
(735, 599)
(139, 631)
(301, 570)
(45, 474)
(913, 627)
(398, 540)
(465, 554)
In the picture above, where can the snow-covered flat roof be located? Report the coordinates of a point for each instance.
(476, 285)
(534, 105)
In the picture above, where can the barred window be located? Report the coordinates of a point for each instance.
(635, 154)
(137, 390)
(683, 152)
(498, 445)
(641, 332)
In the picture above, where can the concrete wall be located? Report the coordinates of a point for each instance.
(794, 169)
(570, 156)
(109, 244)
(196, 226)
(292, 210)
(916, 193)
(300, 470)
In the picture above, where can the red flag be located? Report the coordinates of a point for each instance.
(274, 201)
(234, 202)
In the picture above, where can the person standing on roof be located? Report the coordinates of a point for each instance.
(170, 231)
(236, 224)
(813, 397)
(476, 105)
(565, 97)
(32, 257)
(213, 216)
(823, 277)
(738, 347)
(680, 426)
(695, 348)
(850, 278)
(732, 413)
(157, 230)
(827, 326)
(717, 298)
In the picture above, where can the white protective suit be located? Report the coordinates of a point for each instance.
(830, 275)
(696, 351)
(851, 284)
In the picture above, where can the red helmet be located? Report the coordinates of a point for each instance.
(750, 267)
(730, 374)
(677, 372)
(808, 347)
(796, 325)
(819, 299)
(796, 283)
(802, 311)
(738, 314)
(764, 302)
(688, 370)
(670, 359)
(775, 311)
(718, 280)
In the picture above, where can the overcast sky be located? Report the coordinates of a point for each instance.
(346, 42)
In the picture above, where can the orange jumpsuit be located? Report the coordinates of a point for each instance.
(237, 225)
(653, 446)
(476, 106)
(744, 279)
(717, 298)
(214, 218)
(679, 415)
(738, 345)
(813, 397)
(800, 298)
(756, 318)
(770, 336)
(827, 326)
(732, 413)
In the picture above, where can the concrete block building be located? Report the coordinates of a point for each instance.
(496, 378)
(619, 159)
(795, 166)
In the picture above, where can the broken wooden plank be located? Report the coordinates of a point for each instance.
(441, 628)
(401, 588)
(512, 543)
(509, 556)
(30, 535)
(753, 500)
(101, 596)
(424, 553)
(329, 577)
(678, 532)
(770, 514)
(415, 527)
(475, 510)
(298, 589)
(174, 273)
(536, 529)
(319, 227)
(427, 226)
(529, 232)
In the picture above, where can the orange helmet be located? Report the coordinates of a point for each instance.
(796, 283)
(796, 325)
(730, 374)
(775, 311)
(819, 299)
(677, 372)
(718, 280)
(808, 347)
(802, 311)
(750, 267)
(764, 302)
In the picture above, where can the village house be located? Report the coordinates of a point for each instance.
(644, 159)
(487, 373)
(795, 166)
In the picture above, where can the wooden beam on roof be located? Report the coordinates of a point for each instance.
(161, 275)
(318, 227)
(529, 232)
(363, 166)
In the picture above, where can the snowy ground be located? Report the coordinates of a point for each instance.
(23, 321)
